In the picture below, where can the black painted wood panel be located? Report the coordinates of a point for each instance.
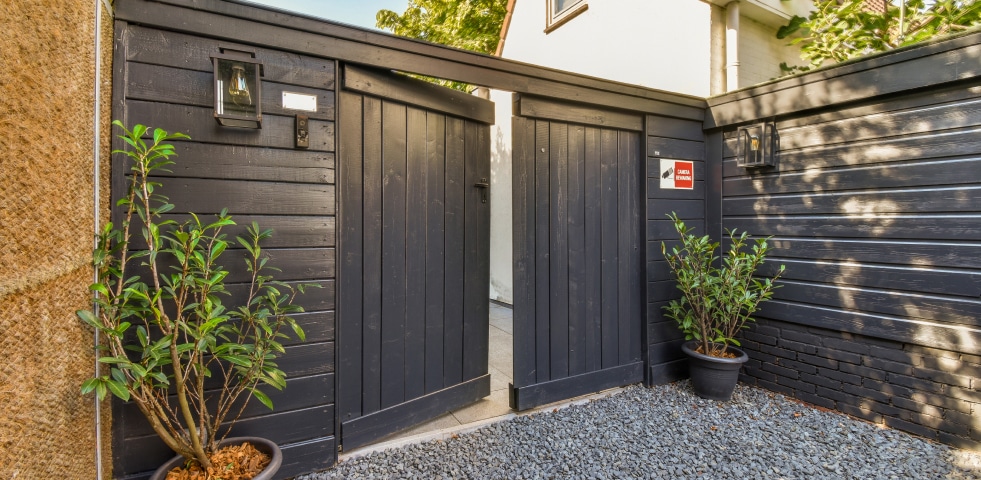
(476, 328)
(874, 209)
(416, 225)
(862, 202)
(523, 191)
(156, 83)
(412, 91)
(435, 249)
(234, 162)
(393, 254)
(454, 249)
(558, 246)
(198, 122)
(592, 262)
(351, 293)
(371, 274)
(926, 306)
(578, 207)
(541, 108)
(164, 80)
(668, 138)
(881, 251)
(609, 206)
(416, 326)
(960, 171)
(174, 49)
(289, 231)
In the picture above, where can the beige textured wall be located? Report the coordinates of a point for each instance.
(47, 429)
(760, 53)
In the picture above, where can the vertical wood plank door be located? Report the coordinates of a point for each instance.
(413, 253)
(578, 259)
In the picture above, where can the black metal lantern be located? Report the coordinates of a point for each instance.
(238, 89)
(757, 145)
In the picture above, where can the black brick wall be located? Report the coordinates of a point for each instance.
(925, 391)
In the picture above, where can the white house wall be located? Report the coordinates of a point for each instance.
(501, 278)
(760, 53)
(656, 43)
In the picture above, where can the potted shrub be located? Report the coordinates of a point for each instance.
(718, 299)
(189, 362)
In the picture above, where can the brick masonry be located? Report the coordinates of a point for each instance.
(924, 391)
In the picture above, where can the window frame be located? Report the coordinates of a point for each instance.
(556, 20)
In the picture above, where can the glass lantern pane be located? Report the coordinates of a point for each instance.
(235, 88)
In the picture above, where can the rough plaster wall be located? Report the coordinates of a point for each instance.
(760, 53)
(46, 220)
(501, 276)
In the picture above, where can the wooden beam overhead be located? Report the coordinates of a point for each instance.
(942, 62)
(282, 30)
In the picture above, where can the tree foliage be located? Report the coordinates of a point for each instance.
(839, 30)
(468, 24)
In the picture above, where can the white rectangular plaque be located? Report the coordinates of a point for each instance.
(300, 101)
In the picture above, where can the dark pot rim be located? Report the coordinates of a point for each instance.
(690, 346)
(262, 444)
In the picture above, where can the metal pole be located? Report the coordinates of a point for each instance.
(732, 46)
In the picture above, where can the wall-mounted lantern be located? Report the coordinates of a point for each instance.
(757, 145)
(238, 89)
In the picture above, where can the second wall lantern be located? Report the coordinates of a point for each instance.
(238, 89)
(757, 145)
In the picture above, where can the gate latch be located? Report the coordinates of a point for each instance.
(484, 185)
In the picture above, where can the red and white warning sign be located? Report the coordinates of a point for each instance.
(677, 174)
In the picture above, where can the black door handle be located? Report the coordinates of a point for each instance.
(485, 186)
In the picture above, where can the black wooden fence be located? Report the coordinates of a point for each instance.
(873, 204)
(874, 208)
(395, 368)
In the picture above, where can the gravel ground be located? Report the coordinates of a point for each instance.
(668, 432)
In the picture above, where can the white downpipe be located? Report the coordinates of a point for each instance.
(96, 134)
(732, 46)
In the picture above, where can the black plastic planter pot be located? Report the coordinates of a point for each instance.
(265, 446)
(713, 378)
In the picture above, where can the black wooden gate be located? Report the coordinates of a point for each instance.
(578, 251)
(413, 277)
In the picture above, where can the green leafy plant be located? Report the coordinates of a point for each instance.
(718, 297)
(839, 30)
(167, 337)
(470, 24)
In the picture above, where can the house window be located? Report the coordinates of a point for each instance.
(561, 11)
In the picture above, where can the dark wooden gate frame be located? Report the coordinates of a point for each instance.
(438, 376)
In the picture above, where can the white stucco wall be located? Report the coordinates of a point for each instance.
(660, 44)
(760, 53)
(501, 276)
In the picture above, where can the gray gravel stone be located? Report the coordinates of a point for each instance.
(666, 432)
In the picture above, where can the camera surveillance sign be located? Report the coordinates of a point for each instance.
(677, 174)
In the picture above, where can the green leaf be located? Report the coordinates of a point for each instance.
(239, 360)
(141, 335)
(118, 389)
(100, 389)
(88, 317)
(90, 385)
(262, 398)
(792, 27)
